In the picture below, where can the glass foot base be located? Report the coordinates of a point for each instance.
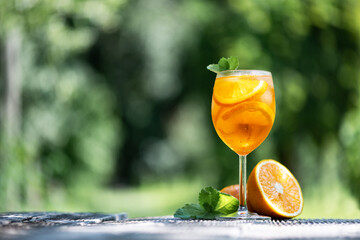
(244, 216)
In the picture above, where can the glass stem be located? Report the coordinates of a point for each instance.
(242, 184)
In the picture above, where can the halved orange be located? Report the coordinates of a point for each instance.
(235, 89)
(273, 191)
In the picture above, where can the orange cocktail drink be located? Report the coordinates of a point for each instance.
(243, 113)
(243, 108)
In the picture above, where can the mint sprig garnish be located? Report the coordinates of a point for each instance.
(231, 63)
(212, 204)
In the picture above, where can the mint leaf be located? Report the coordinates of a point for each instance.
(190, 211)
(212, 204)
(231, 63)
(223, 64)
(208, 198)
(194, 211)
(226, 204)
(209, 216)
(214, 68)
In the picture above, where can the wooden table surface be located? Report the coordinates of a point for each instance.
(70, 226)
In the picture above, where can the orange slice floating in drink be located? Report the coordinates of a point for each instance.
(230, 90)
(246, 113)
(273, 191)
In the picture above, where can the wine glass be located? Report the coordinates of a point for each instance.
(243, 113)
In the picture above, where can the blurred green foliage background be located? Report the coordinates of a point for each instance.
(105, 105)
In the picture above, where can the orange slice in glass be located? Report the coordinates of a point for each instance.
(246, 113)
(230, 90)
(273, 191)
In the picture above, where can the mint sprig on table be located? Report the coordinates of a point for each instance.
(212, 204)
(231, 63)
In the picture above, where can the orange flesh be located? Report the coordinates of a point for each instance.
(280, 188)
(243, 116)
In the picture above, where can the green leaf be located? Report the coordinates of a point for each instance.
(214, 68)
(208, 198)
(231, 63)
(226, 204)
(209, 216)
(190, 211)
(212, 204)
(223, 64)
